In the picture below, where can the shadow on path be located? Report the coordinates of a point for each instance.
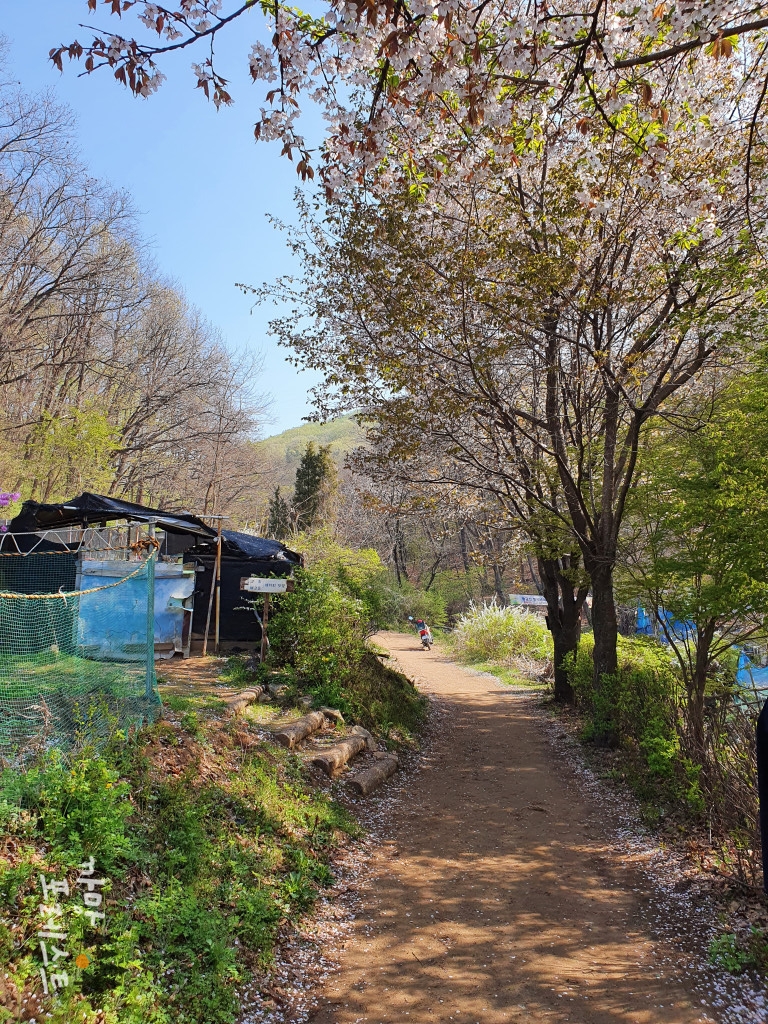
(495, 898)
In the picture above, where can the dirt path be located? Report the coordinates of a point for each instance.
(495, 900)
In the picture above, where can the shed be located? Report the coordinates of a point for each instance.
(241, 555)
(94, 565)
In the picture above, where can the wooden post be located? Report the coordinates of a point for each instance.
(210, 606)
(218, 585)
(149, 679)
(264, 620)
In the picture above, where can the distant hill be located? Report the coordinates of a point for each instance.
(282, 453)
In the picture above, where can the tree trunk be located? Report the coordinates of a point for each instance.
(498, 584)
(696, 690)
(604, 624)
(695, 716)
(565, 641)
(564, 604)
(464, 550)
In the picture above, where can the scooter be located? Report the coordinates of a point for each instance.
(424, 633)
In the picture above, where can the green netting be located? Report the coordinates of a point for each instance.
(76, 647)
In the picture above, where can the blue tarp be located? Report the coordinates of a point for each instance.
(747, 674)
(646, 623)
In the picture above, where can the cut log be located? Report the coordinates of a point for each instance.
(370, 742)
(337, 756)
(293, 733)
(334, 714)
(366, 781)
(241, 700)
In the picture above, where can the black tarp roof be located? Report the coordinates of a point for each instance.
(255, 549)
(89, 509)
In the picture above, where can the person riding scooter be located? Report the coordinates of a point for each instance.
(424, 632)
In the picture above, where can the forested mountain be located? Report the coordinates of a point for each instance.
(281, 454)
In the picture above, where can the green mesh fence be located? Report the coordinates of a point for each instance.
(76, 647)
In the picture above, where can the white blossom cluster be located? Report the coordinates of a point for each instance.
(421, 89)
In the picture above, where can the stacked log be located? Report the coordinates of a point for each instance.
(367, 781)
(336, 757)
(293, 733)
(241, 700)
(370, 743)
(333, 713)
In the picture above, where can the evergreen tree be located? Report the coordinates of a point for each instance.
(279, 521)
(316, 485)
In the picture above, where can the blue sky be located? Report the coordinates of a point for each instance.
(200, 182)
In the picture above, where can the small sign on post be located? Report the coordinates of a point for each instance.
(257, 585)
(261, 585)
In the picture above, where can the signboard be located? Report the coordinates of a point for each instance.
(529, 599)
(256, 585)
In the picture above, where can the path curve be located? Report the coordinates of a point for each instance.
(495, 898)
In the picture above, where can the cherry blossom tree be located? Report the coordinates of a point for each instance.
(616, 225)
(523, 324)
(439, 86)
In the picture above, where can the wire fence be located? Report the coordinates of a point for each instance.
(76, 639)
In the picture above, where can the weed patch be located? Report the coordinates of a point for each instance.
(200, 869)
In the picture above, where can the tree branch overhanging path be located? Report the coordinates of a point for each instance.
(451, 76)
(615, 153)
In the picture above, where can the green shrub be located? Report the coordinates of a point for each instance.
(428, 605)
(726, 952)
(501, 635)
(361, 574)
(638, 709)
(200, 874)
(81, 804)
(356, 573)
(318, 630)
(639, 702)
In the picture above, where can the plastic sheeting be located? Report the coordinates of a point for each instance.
(90, 508)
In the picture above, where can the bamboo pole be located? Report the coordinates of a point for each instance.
(218, 585)
(210, 606)
(215, 584)
(264, 621)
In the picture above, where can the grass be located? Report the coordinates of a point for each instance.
(508, 676)
(490, 633)
(372, 695)
(49, 673)
(508, 643)
(237, 673)
(208, 842)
